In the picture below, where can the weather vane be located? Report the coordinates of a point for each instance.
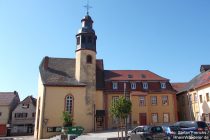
(87, 7)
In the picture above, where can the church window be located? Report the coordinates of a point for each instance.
(89, 59)
(69, 104)
(78, 40)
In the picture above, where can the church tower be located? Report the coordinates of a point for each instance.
(86, 52)
(85, 71)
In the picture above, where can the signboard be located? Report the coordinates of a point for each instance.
(54, 129)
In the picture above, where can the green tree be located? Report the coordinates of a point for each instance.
(120, 109)
(67, 119)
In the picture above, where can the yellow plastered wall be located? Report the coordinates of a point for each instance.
(54, 106)
(148, 109)
(4, 114)
(99, 100)
(39, 110)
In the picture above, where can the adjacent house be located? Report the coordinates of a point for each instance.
(23, 117)
(194, 99)
(82, 87)
(182, 102)
(152, 96)
(8, 101)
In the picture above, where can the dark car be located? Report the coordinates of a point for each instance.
(195, 129)
(171, 131)
(155, 133)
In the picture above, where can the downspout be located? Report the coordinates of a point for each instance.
(189, 107)
(198, 103)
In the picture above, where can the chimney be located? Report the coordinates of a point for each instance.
(15, 92)
(46, 62)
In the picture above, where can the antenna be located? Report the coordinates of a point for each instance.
(87, 7)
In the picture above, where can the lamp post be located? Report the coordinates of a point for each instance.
(126, 117)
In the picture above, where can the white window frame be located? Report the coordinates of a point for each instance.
(133, 85)
(115, 98)
(166, 117)
(145, 85)
(154, 102)
(69, 104)
(154, 117)
(165, 100)
(195, 97)
(114, 85)
(163, 85)
(143, 99)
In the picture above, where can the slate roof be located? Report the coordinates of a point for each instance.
(200, 80)
(61, 72)
(6, 98)
(178, 86)
(142, 75)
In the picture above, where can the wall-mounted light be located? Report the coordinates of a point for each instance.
(45, 121)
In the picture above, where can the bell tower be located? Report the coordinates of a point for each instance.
(86, 52)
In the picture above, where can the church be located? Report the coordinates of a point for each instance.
(86, 90)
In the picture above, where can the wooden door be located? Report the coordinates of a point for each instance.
(142, 118)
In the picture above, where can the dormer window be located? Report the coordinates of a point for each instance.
(145, 85)
(89, 59)
(143, 76)
(133, 85)
(163, 85)
(114, 85)
(130, 76)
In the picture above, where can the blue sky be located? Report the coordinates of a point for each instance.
(168, 37)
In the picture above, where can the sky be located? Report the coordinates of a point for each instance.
(168, 37)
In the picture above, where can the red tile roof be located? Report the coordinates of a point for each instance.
(140, 75)
(6, 98)
(178, 86)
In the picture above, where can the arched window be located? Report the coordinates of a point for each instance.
(89, 59)
(69, 104)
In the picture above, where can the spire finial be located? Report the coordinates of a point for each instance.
(87, 7)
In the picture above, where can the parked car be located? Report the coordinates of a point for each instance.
(148, 133)
(193, 128)
(171, 131)
(155, 133)
(140, 130)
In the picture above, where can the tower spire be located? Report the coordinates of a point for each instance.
(87, 6)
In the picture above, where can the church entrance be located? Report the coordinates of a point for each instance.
(100, 123)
